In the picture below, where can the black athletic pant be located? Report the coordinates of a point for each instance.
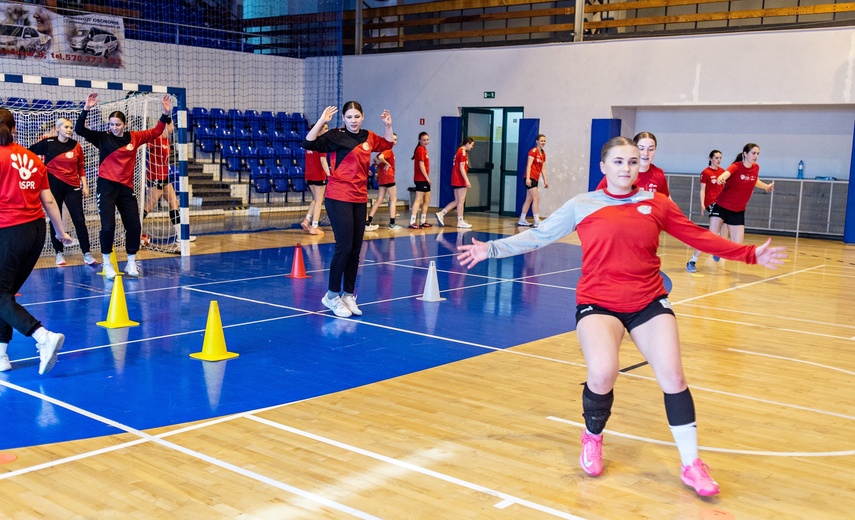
(20, 247)
(114, 196)
(72, 197)
(348, 224)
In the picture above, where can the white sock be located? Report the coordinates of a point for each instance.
(442, 212)
(177, 230)
(132, 259)
(39, 334)
(537, 218)
(694, 257)
(315, 224)
(686, 437)
(3, 347)
(460, 219)
(106, 258)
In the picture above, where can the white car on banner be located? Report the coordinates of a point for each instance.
(102, 45)
(22, 39)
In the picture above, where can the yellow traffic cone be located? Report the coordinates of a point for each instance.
(431, 292)
(214, 344)
(114, 262)
(117, 314)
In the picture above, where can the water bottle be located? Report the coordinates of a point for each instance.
(801, 174)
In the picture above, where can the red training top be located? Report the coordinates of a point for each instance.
(22, 178)
(314, 169)
(63, 160)
(461, 158)
(537, 163)
(421, 155)
(158, 160)
(386, 174)
(709, 178)
(739, 186)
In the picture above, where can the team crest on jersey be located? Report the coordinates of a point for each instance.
(644, 209)
(130, 147)
(69, 155)
(365, 146)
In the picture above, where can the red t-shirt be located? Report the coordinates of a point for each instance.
(652, 180)
(709, 178)
(739, 186)
(421, 155)
(63, 160)
(537, 163)
(314, 169)
(386, 174)
(22, 178)
(461, 158)
(158, 160)
(348, 180)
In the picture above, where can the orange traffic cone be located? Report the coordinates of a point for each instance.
(298, 269)
(6, 457)
(117, 314)
(214, 344)
(431, 292)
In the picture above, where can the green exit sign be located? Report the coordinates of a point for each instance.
(489, 95)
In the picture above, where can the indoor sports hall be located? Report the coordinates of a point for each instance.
(217, 385)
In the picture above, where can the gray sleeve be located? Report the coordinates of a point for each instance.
(557, 226)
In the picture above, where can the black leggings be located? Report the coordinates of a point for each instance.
(348, 224)
(20, 247)
(114, 196)
(72, 197)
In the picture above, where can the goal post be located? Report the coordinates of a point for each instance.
(142, 105)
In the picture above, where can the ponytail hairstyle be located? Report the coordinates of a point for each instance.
(712, 154)
(745, 149)
(413, 158)
(645, 135)
(7, 125)
(615, 142)
(351, 104)
(467, 141)
(61, 121)
(119, 115)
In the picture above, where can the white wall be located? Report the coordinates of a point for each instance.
(789, 91)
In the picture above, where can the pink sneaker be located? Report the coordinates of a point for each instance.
(591, 457)
(697, 475)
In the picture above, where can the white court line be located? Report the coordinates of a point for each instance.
(772, 316)
(793, 360)
(418, 469)
(763, 326)
(170, 445)
(845, 453)
(743, 286)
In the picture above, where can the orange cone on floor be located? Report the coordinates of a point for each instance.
(214, 344)
(298, 268)
(431, 292)
(115, 264)
(117, 314)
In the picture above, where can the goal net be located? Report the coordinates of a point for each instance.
(142, 111)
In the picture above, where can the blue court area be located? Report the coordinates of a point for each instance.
(291, 347)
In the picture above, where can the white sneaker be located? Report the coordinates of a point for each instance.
(192, 238)
(523, 223)
(463, 224)
(350, 301)
(439, 218)
(4, 363)
(48, 350)
(536, 223)
(394, 227)
(372, 227)
(336, 305)
(132, 269)
(109, 270)
(88, 259)
(60, 260)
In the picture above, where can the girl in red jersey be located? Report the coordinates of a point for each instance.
(739, 181)
(533, 172)
(115, 188)
(385, 162)
(24, 198)
(347, 195)
(710, 188)
(317, 171)
(621, 290)
(460, 183)
(157, 182)
(421, 178)
(63, 157)
(650, 177)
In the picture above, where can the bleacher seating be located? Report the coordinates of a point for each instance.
(279, 177)
(41, 104)
(233, 159)
(259, 178)
(199, 117)
(283, 154)
(297, 179)
(234, 119)
(217, 117)
(249, 154)
(17, 102)
(266, 156)
(206, 140)
(66, 104)
(240, 136)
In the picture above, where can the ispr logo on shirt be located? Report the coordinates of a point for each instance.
(25, 166)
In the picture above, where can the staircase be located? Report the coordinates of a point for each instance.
(214, 193)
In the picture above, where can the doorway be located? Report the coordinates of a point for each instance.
(494, 156)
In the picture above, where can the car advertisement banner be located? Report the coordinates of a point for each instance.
(30, 32)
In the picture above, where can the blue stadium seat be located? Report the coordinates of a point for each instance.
(41, 104)
(283, 155)
(222, 137)
(279, 176)
(283, 122)
(250, 157)
(234, 118)
(233, 159)
(277, 137)
(16, 102)
(299, 123)
(293, 139)
(266, 156)
(299, 157)
(240, 136)
(65, 104)
(206, 140)
(259, 137)
(297, 178)
(198, 117)
(217, 117)
(268, 121)
(259, 178)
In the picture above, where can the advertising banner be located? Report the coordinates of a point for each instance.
(31, 32)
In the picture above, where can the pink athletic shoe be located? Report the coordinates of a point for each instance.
(697, 475)
(591, 457)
